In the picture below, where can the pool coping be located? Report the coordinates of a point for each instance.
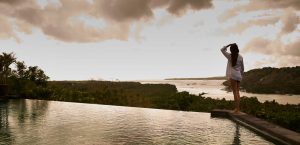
(269, 130)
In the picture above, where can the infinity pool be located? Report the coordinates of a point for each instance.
(37, 122)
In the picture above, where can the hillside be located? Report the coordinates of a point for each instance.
(284, 80)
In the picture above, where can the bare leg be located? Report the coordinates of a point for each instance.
(238, 95)
(234, 91)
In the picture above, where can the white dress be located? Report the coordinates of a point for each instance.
(236, 71)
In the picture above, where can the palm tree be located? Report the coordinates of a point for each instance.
(32, 73)
(21, 69)
(6, 59)
(37, 75)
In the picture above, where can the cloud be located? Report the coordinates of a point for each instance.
(293, 48)
(6, 30)
(283, 61)
(123, 10)
(12, 2)
(263, 46)
(60, 21)
(273, 47)
(178, 7)
(278, 61)
(285, 54)
(255, 5)
(279, 53)
(242, 26)
(287, 9)
(290, 21)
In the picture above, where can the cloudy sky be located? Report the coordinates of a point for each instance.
(148, 39)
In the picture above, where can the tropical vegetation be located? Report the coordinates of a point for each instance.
(32, 83)
(284, 80)
(19, 77)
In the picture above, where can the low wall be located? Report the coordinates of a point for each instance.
(269, 130)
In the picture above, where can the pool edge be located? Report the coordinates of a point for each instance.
(268, 130)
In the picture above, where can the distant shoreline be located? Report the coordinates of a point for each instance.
(208, 78)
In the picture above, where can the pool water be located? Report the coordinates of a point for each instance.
(63, 123)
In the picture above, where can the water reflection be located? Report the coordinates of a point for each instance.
(18, 114)
(236, 140)
(5, 135)
(22, 109)
(27, 111)
(50, 122)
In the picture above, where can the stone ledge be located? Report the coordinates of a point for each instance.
(267, 129)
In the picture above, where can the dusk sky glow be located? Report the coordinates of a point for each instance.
(148, 39)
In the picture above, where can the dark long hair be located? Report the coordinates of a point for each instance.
(234, 53)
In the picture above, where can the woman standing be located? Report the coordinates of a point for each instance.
(234, 71)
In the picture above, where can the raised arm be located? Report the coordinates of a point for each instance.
(225, 53)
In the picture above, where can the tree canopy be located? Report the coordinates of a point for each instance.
(17, 75)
